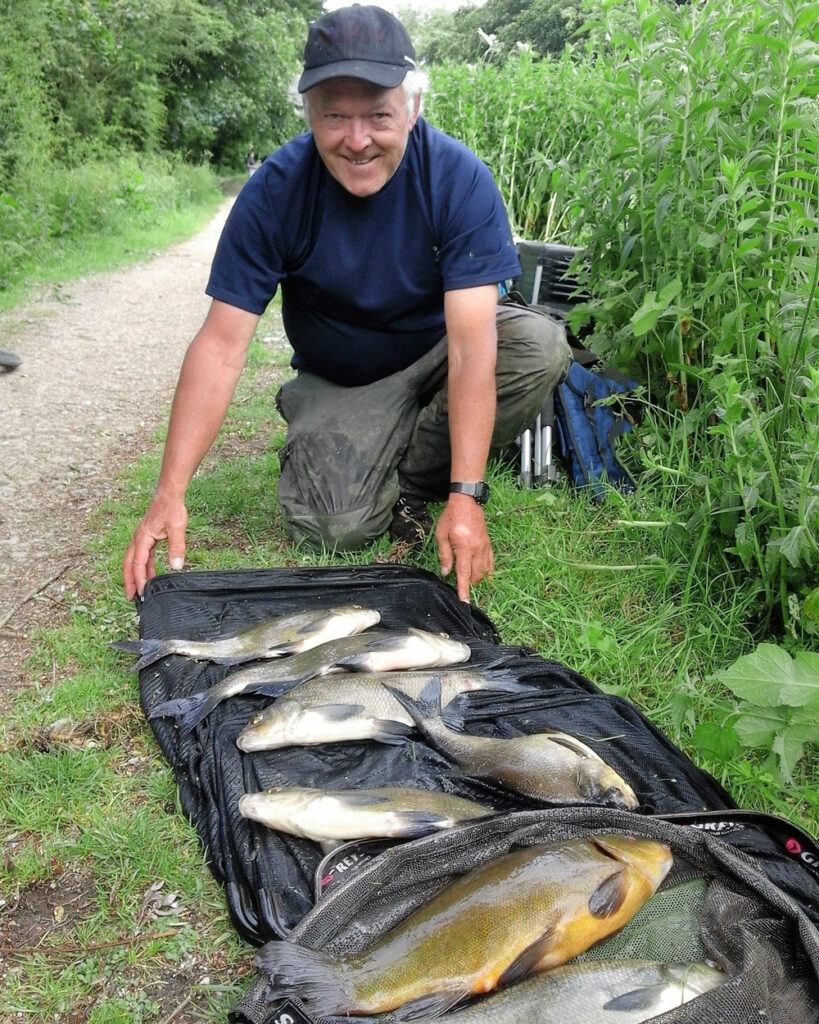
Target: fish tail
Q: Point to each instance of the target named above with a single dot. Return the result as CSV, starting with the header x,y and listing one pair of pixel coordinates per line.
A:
x,y
150,650
428,704
313,977
189,711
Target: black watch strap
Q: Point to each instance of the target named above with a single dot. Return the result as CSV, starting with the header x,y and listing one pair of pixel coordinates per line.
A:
x,y
479,491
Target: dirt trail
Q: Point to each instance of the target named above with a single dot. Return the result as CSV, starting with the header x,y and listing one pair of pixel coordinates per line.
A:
x,y
100,357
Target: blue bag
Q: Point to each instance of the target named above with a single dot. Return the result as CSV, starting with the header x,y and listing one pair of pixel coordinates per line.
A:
x,y
587,428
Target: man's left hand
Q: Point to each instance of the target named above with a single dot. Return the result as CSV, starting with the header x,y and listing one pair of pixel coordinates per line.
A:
x,y
463,541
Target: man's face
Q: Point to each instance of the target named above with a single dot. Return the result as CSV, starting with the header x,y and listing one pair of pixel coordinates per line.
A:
x,y
361,132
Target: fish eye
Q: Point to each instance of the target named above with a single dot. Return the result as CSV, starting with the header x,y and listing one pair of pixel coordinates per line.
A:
x,y
255,719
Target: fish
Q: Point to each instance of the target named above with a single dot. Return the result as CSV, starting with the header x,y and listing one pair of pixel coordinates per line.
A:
x,y
357,707
380,650
595,992
550,766
529,910
271,638
344,814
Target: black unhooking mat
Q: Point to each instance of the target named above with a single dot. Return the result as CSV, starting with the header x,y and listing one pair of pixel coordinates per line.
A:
x,y
268,876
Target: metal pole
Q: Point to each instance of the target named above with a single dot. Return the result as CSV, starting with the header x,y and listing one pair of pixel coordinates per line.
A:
x,y
538,452
526,458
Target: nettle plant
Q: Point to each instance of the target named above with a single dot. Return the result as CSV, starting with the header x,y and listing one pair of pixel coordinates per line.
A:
x,y
700,204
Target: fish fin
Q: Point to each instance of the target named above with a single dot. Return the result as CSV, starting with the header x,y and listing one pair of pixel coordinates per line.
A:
x,y
149,650
359,661
421,823
384,730
193,715
525,962
390,642
507,730
178,706
573,744
306,974
276,689
352,663
130,646
646,998
362,799
239,659
505,681
429,1007
428,704
340,712
608,897
329,846
280,650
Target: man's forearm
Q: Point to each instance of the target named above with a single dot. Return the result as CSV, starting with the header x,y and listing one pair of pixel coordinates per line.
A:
x,y
471,385
210,371
471,418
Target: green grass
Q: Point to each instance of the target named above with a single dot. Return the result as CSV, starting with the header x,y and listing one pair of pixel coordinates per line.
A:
x,y
604,589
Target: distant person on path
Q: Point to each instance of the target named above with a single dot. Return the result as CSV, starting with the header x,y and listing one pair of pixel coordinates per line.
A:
x,y
251,163
388,239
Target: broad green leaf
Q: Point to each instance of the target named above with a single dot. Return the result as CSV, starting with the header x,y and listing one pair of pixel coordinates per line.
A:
x,y
758,729
770,677
707,239
810,607
647,315
789,746
807,17
720,741
797,546
670,292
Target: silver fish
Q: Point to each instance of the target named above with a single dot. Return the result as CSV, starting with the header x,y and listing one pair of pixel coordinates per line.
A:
x,y
549,766
596,992
271,638
379,650
357,707
343,814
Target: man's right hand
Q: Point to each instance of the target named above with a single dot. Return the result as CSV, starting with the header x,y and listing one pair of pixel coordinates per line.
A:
x,y
166,519
210,369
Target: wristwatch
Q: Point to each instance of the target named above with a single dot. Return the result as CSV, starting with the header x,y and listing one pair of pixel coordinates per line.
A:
x,y
479,491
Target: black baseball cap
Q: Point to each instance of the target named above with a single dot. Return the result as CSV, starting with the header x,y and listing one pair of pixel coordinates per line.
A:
x,y
357,42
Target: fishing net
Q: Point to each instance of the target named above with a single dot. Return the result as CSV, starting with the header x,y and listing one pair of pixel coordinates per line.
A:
x,y
716,902
272,881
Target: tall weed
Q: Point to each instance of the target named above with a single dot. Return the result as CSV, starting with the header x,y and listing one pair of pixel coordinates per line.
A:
x,y
683,159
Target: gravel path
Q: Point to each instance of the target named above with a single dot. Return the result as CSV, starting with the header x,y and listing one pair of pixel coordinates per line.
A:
x,y
100,358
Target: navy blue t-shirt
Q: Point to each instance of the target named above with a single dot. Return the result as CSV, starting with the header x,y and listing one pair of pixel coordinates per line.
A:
x,y
363,279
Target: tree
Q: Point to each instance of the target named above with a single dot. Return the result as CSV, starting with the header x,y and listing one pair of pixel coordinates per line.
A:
x,y
222,103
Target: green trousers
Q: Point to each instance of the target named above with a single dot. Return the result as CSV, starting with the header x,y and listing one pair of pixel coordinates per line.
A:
x,y
350,452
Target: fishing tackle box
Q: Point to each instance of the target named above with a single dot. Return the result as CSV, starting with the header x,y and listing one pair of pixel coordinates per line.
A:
x,y
762,867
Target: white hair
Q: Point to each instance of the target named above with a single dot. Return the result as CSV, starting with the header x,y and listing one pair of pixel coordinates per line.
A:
x,y
415,84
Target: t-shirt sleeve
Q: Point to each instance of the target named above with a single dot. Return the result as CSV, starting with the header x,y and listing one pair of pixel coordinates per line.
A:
x,y
249,259
477,246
